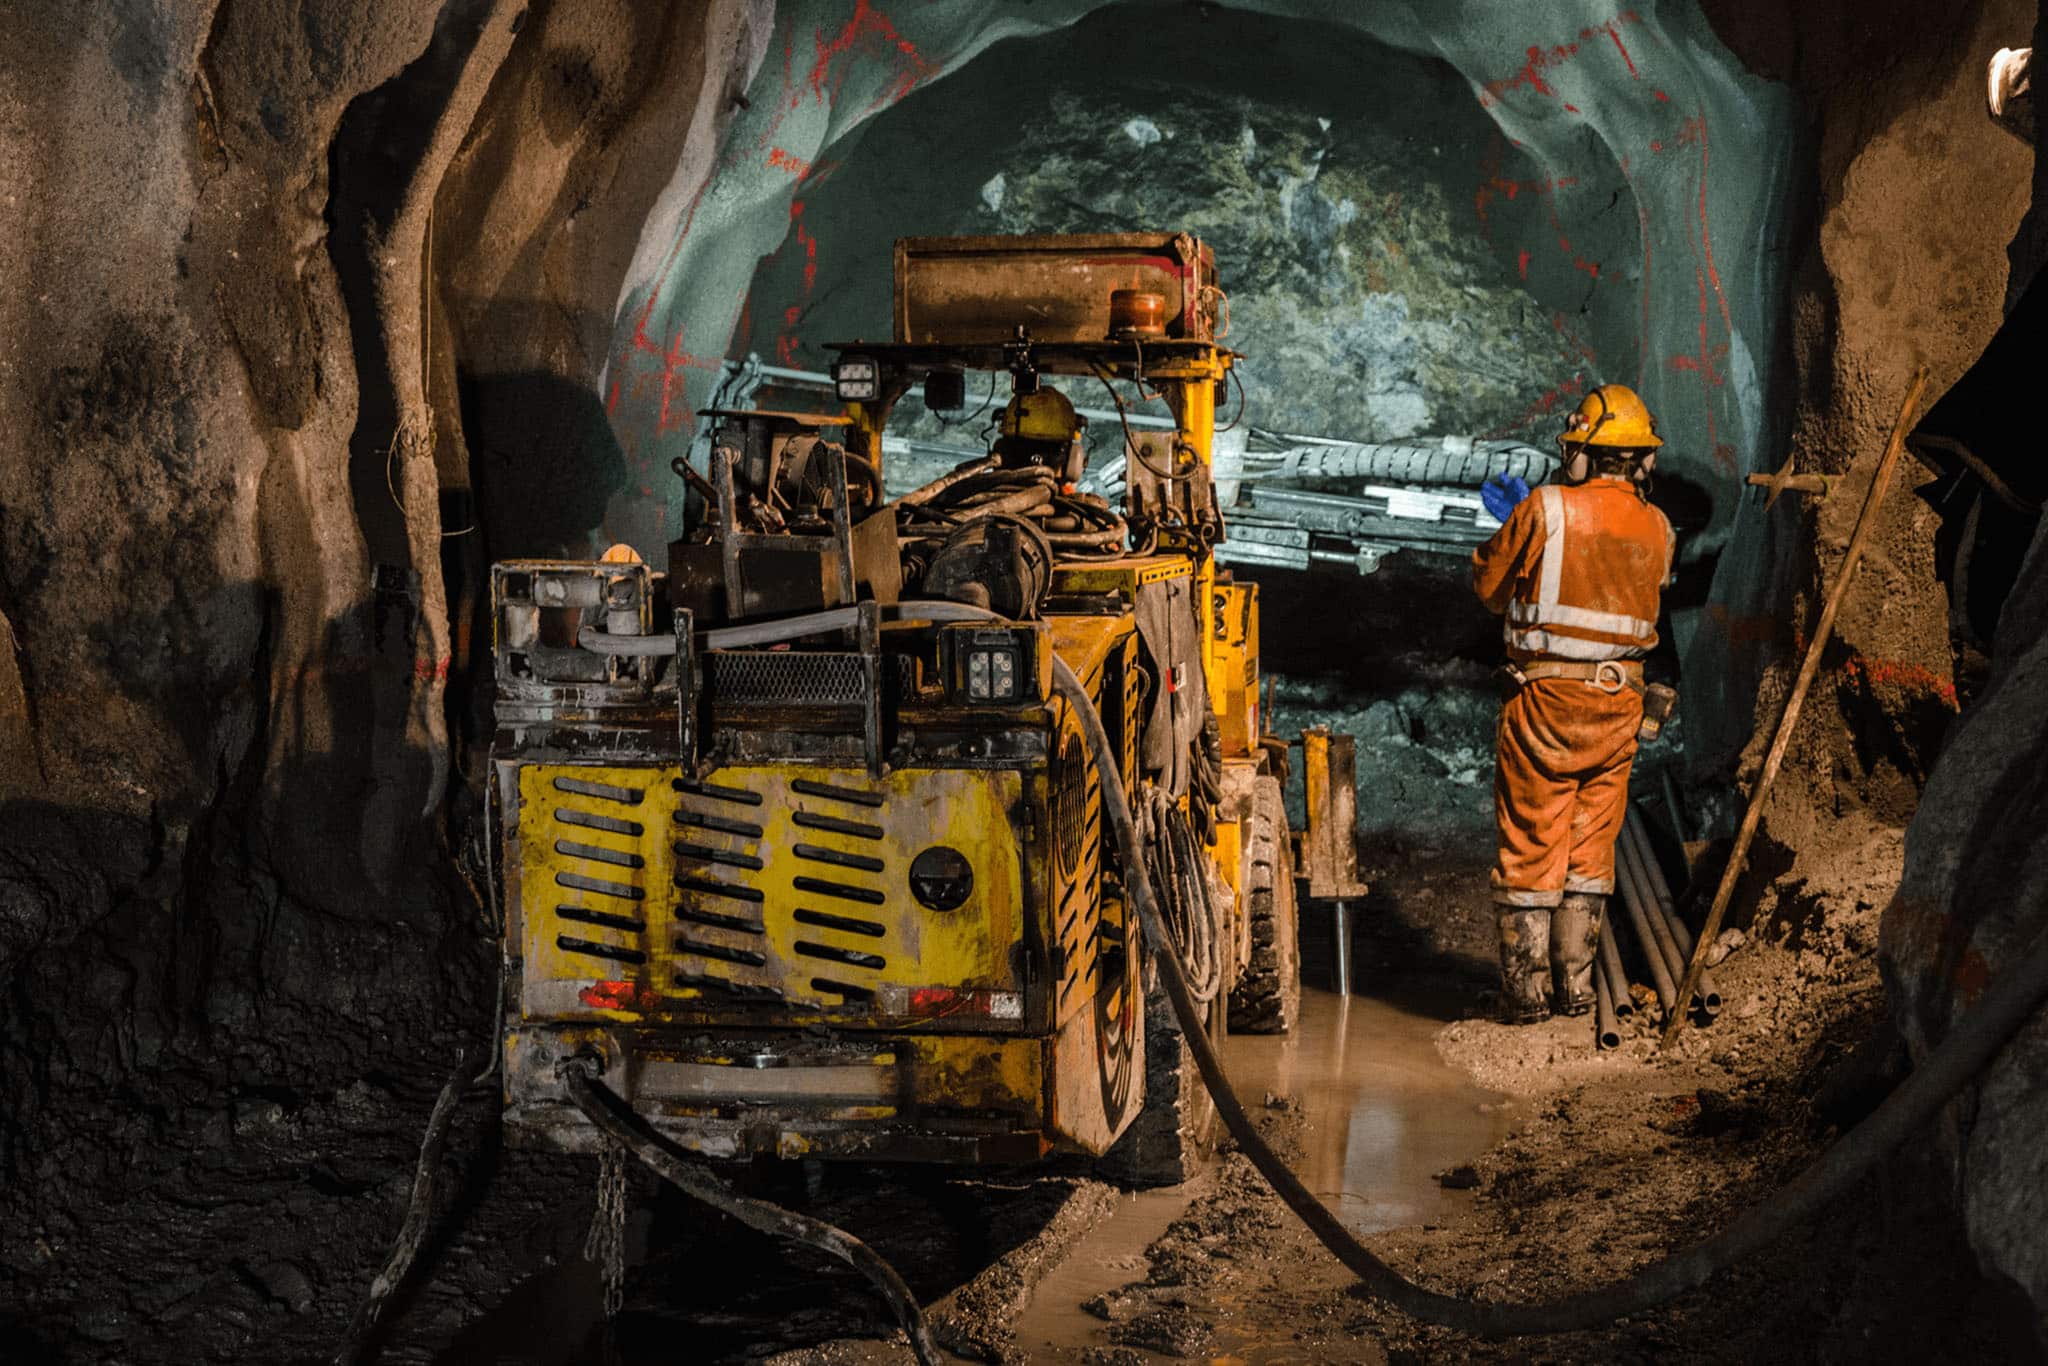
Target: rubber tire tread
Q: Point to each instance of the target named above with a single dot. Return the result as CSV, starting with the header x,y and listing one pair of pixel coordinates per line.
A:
x,y
1266,998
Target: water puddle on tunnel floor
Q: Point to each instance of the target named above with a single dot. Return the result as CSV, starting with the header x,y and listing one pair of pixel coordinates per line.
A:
x,y
1384,1113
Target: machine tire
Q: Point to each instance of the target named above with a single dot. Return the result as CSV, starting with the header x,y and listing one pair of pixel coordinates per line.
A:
x,y
1174,1133
1267,996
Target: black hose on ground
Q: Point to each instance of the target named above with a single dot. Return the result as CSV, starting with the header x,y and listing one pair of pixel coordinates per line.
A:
x,y
616,1120
2003,1008
417,1210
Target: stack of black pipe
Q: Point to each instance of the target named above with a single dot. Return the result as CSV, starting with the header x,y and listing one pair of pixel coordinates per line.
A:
x,y
1643,903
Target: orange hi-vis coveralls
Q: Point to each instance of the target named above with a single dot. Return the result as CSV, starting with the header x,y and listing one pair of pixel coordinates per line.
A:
x,y
1577,571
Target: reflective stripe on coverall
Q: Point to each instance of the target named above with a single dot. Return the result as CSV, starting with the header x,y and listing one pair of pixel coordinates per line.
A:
x,y
1576,571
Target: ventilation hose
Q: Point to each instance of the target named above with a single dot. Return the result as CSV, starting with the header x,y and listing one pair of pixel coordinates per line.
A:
x,y
2002,1009
613,1118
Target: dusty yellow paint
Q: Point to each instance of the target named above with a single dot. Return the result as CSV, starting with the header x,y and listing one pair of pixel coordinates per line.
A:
x,y
1085,642
1122,575
1098,1049
1234,678
968,1072
746,893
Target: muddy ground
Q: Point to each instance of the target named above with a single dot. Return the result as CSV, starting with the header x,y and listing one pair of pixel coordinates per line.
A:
x,y
250,1230
1615,1159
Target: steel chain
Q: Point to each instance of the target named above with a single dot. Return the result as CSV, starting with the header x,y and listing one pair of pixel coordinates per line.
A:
x,y
605,1244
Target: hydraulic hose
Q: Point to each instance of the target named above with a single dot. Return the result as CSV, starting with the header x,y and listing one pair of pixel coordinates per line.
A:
x,y
613,1118
2003,1008
1191,912
419,1207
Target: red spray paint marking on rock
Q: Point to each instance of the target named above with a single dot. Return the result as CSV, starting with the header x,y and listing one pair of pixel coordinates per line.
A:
x,y
873,29
1539,59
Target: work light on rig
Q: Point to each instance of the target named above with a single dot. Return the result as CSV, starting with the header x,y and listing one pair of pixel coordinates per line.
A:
x,y
856,379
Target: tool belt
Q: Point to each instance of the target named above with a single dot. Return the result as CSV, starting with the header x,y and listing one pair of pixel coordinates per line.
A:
x,y
1608,675
1660,702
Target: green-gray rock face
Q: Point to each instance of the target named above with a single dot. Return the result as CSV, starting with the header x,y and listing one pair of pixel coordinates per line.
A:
x,y
1366,299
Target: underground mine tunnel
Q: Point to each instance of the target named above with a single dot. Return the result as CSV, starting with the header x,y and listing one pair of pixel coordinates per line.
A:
x,y
699,680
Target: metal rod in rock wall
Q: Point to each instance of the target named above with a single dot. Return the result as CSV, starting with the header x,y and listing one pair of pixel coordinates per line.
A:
x,y
1617,980
1606,1034
1628,861
1646,942
1708,998
1823,632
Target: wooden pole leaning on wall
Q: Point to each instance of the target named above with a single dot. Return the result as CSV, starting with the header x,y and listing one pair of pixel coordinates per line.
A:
x,y
1823,632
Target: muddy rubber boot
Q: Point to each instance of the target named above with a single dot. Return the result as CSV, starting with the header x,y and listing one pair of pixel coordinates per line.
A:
x,y
1574,944
1524,964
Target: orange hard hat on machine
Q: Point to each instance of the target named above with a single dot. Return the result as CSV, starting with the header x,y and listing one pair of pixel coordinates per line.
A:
x,y
1612,416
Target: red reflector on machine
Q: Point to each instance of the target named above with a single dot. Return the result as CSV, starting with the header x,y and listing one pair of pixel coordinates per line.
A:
x,y
937,1002
618,996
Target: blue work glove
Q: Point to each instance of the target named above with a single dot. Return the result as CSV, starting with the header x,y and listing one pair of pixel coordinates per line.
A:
x,y
1501,493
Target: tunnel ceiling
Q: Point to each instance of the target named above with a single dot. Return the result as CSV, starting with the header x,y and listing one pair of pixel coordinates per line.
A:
x,y
1364,303
1504,208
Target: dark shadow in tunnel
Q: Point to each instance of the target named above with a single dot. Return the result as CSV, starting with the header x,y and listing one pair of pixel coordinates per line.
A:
x,y
544,465
1368,632
544,462
1688,504
735,1294
1990,415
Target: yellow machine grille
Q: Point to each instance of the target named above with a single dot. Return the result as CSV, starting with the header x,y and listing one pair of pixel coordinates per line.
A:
x,y
758,887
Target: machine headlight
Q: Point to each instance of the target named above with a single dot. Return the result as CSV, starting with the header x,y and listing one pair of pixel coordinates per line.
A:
x,y
856,379
941,878
995,666
995,673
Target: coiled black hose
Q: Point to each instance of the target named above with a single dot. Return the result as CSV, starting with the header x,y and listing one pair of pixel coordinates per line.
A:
x,y
1176,862
1073,524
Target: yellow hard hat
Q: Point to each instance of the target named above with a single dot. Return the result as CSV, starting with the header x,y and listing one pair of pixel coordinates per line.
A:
x,y
1611,416
1041,415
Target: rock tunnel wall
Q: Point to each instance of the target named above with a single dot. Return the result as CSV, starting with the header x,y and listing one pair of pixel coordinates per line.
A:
x,y
331,302
1974,892
1597,155
237,622
1337,198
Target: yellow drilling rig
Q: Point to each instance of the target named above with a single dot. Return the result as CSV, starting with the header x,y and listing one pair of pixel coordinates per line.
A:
x,y
796,840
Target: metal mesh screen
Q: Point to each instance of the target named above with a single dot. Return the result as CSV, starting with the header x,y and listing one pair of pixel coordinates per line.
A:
x,y
787,676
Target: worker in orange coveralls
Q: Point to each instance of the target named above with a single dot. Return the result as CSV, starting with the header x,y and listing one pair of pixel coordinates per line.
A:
x,y
1576,569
